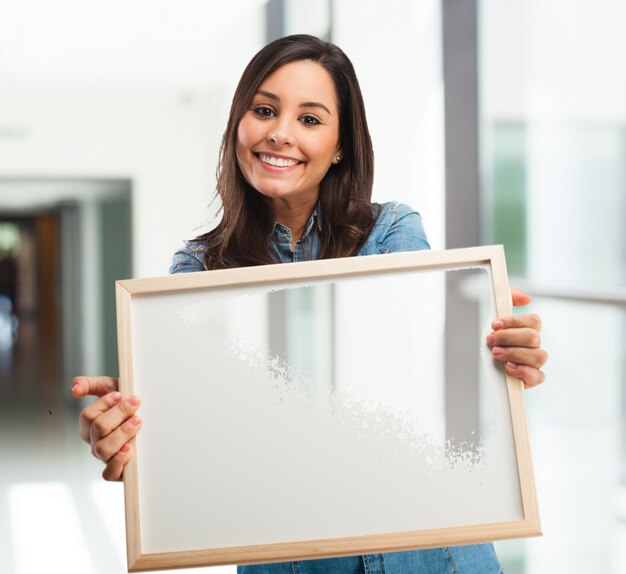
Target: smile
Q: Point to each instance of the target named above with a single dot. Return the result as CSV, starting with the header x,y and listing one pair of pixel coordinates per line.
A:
x,y
277,161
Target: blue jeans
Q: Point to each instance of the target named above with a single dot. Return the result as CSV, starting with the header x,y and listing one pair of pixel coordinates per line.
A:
x,y
477,559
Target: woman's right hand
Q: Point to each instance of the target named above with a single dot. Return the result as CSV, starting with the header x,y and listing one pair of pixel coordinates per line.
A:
x,y
108,424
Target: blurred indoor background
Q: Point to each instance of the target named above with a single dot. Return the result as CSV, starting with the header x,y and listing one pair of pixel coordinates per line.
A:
x,y
501,121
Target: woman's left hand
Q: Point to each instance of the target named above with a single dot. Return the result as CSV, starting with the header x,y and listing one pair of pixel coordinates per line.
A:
x,y
516,341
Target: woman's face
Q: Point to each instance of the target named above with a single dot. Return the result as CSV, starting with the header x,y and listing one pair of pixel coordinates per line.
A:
x,y
289,136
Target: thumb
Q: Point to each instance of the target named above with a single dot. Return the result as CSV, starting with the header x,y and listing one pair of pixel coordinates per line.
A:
x,y
98,386
520,298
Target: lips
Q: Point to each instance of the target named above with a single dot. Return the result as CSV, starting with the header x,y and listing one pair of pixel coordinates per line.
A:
x,y
275,161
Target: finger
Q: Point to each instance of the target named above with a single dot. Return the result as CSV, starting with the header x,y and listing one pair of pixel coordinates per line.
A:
x,y
112,418
520,337
98,386
106,448
521,356
114,468
517,321
531,376
91,412
519,297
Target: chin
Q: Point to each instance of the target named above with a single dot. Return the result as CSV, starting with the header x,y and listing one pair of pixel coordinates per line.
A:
x,y
274,193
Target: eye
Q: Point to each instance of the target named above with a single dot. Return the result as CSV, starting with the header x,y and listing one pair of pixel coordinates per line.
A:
x,y
263,111
309,120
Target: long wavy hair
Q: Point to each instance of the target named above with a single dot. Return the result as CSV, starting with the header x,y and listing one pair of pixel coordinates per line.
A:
x,y
245,231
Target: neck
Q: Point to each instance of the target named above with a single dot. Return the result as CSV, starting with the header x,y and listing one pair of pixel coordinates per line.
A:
x,y
293,216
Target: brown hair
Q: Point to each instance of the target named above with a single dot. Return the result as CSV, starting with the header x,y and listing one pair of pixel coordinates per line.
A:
x,y
244,234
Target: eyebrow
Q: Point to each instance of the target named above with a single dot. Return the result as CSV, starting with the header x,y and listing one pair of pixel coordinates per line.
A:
x,y
273,96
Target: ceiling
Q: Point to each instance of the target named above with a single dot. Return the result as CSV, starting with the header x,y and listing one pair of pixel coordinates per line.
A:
x,y
130,42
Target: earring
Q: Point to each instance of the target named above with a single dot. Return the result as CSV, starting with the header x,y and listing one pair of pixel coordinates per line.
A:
x,y
338,158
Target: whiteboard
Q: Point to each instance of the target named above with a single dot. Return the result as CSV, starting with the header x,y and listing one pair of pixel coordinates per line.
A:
x,y
296,411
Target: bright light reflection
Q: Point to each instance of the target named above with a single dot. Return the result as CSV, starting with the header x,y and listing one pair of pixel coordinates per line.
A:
x,y
46,530
110,504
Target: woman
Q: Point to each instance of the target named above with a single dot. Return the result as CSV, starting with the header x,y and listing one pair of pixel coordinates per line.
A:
x,y
295,180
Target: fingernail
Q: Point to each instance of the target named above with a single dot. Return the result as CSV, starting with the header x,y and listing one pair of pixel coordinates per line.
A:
x,y
125,448
115,397
491,339
497,324
512,365
135,422
133,401
497,350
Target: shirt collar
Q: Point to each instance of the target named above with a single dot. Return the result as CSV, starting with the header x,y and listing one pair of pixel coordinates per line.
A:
x,y
314,222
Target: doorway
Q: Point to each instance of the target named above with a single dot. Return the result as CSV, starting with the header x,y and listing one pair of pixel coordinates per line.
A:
x,y
63,243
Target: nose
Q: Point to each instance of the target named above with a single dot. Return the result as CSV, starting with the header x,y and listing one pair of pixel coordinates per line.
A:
x,y
279,135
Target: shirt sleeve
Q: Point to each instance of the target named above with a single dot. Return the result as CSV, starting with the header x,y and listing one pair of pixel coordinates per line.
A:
x,y
188,259
405,231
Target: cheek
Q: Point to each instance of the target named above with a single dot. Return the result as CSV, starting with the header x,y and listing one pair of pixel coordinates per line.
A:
x,y
243,145
247,134
329,144
327,149
241,138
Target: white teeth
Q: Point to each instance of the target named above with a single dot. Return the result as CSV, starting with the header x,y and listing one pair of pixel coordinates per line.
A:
x,y
278,161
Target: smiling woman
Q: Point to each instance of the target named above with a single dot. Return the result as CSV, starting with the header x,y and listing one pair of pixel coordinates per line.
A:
x,y
298,100
289,139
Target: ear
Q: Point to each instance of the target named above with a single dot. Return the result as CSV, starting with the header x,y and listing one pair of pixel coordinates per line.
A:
x,y
338,156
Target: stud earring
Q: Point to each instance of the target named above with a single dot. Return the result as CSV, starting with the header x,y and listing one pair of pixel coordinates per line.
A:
x,y
338,158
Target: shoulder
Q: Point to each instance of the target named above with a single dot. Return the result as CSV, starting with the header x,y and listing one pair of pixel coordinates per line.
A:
x,y
189,258
391,212
398,228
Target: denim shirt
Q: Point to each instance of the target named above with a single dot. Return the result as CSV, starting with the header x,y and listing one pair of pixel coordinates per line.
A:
x,y
397,228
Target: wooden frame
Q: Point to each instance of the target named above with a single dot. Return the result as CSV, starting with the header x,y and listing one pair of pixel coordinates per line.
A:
x,y
267,278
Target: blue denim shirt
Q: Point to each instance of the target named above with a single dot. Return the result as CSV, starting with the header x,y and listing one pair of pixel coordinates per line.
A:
x,y
398,228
